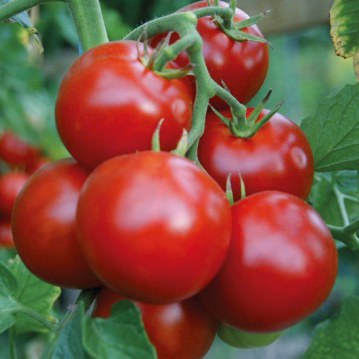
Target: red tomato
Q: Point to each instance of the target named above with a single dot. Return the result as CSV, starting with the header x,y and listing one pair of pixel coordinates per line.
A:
x,y
15,151
38,163
280,267
178,331
10,185
6,239
43,226
241,65
109,104
277,157
153,226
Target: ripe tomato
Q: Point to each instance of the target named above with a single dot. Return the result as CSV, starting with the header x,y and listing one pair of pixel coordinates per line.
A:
x,y
43,226
153,226
109,104
10,185
15,151
277,157
6,239
241,65
177,331
280,267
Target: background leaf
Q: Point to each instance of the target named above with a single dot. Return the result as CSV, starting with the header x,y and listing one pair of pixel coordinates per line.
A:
x,y
24,21
69,344
333,131
120,336
339,336
345,27
32,293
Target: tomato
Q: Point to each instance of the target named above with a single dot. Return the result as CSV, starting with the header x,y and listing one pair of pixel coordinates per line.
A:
x,y
277,157
15,151
10,185
109,104
241,339
242,66
280,267
43,226
6,239
178,331
153,226
36,164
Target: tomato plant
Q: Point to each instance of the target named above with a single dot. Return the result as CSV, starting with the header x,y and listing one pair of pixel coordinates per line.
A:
x,y
46,242
242,66
177,330
154,226
165,222
277,157
109,103
280,267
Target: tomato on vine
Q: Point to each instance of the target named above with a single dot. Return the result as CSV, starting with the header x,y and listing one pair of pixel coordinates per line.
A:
x,y
153,226
241,65
43,225
281,264
277,157
177,330
109,103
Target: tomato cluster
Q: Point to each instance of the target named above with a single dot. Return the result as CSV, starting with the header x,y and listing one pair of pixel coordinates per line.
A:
x,y
153,227
21,159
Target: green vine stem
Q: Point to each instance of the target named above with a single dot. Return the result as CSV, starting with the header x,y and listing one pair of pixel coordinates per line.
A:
x,y
89,22
12,345
185,25
86,297
346,233
15,7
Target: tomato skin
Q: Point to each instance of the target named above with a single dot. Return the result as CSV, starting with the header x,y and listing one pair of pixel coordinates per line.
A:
x,y
110,104
10,186
277,157
43,225
6,239
242,66
15,151
177,331
153,226
280,267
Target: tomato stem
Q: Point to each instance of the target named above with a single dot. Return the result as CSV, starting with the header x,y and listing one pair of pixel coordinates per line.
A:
x,y
89,22
15,7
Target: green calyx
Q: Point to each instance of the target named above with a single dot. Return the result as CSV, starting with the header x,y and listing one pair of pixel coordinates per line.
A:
x,y
243,127
161,55
234,29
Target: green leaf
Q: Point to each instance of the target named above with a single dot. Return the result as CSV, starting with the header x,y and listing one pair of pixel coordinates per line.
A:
x,y
323,199
69,343
339,336
8,286
8,282
333,131
32,293
122,335
345,27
